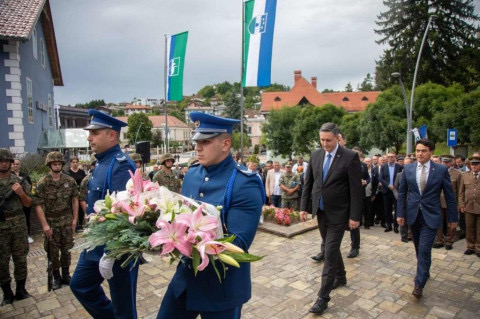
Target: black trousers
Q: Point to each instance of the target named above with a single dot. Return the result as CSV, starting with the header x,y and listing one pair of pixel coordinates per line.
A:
x,y
378,208
369,214
389,205
332,235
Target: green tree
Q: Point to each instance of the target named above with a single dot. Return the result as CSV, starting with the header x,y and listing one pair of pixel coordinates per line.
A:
x,y
348,87
232,109
224,88
91,105
157,139
139,122
308,121
384,122
368,84
276,87
236,141
207,91
278,130
350,127
452,38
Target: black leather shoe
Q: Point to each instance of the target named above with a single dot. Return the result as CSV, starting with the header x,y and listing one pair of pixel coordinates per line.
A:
x,y
395,229
339,282
448,247
319,258
366,227
319,306
353,253
469,252
405,240
437,245
388,229
478,254
417,292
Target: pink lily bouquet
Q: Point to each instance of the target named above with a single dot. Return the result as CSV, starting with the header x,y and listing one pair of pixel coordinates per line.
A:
x,y
148,217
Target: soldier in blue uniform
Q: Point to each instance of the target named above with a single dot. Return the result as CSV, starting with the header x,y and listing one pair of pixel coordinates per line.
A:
x,y
218,180
110,173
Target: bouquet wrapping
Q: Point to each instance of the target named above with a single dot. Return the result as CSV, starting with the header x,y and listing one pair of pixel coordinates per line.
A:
x,y
148,217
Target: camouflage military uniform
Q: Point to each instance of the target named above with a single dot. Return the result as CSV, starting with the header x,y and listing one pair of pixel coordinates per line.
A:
x,y
55,197
13,233
290,180
169,180
83,189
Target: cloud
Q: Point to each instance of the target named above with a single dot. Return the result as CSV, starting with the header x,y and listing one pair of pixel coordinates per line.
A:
x,y
114,49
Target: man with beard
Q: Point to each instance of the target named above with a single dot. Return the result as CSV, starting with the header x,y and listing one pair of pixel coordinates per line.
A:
x,y
13,230
166,176
56,204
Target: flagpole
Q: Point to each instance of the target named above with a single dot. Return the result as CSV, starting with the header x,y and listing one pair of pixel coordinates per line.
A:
x,y
241,80
165,94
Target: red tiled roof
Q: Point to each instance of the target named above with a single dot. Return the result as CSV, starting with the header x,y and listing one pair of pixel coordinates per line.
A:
x,y
19,17
159,121
137,107
350,101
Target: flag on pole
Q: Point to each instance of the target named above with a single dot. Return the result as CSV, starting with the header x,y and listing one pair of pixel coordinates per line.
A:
x,y
176,47
416,134
422,130
259,22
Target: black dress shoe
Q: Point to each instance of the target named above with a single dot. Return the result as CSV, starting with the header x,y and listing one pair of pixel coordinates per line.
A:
x,y
353,253
437,245
339,282
405,240
366,227
448,247
319,258
469,252
478,254
388,229
395,229
417,292
319,306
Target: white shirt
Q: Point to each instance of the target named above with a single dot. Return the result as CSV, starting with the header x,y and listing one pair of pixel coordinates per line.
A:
x,y
276,188
419,173
304,165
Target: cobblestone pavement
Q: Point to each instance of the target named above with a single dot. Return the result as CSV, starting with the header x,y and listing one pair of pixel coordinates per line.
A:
x,y
286,281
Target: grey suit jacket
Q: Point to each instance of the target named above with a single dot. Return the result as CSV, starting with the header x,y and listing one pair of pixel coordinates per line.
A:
x,y
342,190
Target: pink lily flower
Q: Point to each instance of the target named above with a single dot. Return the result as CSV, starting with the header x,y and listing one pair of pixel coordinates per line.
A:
x,y
206,248
134,210
137,181
171,236
199,225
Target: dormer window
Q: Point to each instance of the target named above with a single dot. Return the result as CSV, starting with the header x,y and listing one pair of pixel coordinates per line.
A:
x,y
364,98
346,99
277,99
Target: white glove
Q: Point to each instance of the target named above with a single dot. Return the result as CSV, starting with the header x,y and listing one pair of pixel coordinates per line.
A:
x,y
105,266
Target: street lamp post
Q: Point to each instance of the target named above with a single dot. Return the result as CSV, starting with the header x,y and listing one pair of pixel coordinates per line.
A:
x,y
409,139
398,76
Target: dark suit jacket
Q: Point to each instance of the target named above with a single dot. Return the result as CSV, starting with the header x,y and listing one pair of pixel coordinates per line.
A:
x,y
410,200
365,176
374,180
342,191
384,177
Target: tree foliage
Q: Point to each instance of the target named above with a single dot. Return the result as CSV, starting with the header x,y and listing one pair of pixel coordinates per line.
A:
x,y
450,53
139,122
236,141
279,130
91,105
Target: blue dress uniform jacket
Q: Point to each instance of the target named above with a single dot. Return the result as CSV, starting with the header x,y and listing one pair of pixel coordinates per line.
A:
x,y
110,173
204,291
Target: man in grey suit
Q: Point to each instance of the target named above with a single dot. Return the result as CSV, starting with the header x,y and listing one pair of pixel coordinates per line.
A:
x,y
333,187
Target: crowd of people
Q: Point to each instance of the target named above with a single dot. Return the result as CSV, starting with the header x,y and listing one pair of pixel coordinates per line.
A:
x,y
420,196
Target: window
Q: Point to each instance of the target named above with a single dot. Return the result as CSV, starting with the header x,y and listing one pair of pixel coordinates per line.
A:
x,y
42,52
345,99
50,113
34,43
277,99
30,100
364,98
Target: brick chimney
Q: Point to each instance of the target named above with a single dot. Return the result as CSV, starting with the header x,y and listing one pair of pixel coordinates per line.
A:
x,y
314,81
297,75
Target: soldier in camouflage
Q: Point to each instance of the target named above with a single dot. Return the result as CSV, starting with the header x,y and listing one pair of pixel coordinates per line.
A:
x,y
289,183
56,204
137,159
13,231
165,176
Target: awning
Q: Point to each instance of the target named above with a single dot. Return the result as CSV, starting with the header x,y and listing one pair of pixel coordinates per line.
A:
x,y
63,138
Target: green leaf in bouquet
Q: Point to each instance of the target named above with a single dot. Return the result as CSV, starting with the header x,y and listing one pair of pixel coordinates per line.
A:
x,y
195,260
228,239
212,262
108,202
243,257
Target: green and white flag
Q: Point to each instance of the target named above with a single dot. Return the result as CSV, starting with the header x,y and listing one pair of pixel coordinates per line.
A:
x,y
176,48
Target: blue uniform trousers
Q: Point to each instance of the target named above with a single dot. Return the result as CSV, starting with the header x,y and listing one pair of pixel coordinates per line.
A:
x,y
86,286
176,308
423,238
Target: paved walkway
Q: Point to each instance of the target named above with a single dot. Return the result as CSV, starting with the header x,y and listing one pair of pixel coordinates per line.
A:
x,y
286,281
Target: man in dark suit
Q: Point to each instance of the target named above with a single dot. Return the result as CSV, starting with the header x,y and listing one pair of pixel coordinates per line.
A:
x,y
388,172
423,182
333,186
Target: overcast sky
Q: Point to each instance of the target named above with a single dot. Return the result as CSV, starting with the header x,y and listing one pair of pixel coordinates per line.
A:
x,y
114,49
